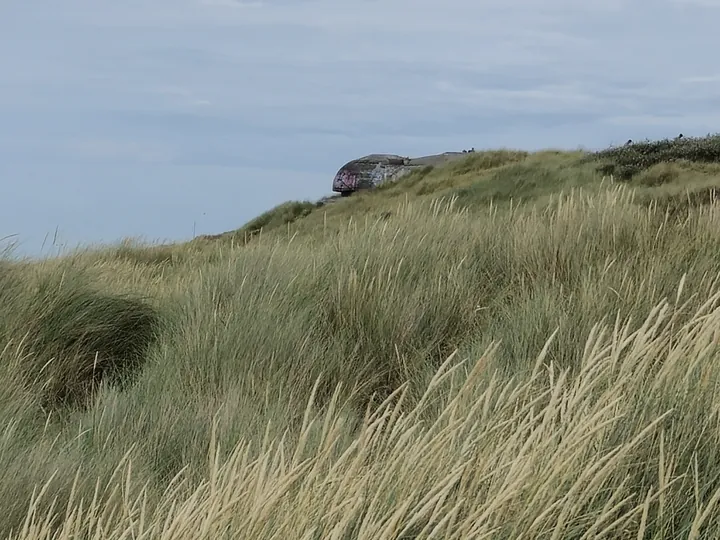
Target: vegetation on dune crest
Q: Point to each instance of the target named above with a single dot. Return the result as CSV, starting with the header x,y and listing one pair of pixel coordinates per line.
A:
x,y
510,347
631,159
675,173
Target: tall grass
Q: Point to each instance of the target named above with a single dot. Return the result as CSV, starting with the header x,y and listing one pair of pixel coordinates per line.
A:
x,y
512,372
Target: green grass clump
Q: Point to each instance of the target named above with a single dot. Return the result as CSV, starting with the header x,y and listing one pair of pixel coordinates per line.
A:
x,y
74,337
134,251
511,348
79,339
279,216
490,159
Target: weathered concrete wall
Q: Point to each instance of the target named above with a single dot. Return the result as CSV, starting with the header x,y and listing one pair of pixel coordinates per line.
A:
x,y
376,169
367,172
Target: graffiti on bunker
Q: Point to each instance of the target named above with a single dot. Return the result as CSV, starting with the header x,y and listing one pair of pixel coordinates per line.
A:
x,y
376,169
368,172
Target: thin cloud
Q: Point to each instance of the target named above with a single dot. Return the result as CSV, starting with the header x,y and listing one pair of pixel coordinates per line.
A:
x,y
233,3
169,88
701,79
114,150
700,3
697,124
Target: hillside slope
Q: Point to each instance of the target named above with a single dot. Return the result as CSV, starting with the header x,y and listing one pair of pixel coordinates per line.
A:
x,y
519,345
673,173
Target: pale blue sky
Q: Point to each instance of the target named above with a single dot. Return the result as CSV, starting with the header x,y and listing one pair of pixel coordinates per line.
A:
x,y
151,117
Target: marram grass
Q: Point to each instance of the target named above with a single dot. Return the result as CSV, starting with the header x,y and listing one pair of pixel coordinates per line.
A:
x,y
513,371
590,456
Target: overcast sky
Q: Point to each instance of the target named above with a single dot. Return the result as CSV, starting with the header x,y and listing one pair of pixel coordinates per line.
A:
x,y
160,118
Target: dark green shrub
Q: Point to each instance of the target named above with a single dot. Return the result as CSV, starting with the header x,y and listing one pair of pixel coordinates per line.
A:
x,y
624,162
77,338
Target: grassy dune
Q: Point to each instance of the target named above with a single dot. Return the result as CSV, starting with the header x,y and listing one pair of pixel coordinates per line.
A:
x,y
515,346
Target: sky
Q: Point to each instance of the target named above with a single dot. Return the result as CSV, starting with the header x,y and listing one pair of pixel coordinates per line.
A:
x,y
164,119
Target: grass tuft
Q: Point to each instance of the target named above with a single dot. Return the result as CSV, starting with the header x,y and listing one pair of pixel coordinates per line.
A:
x,y
77,338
